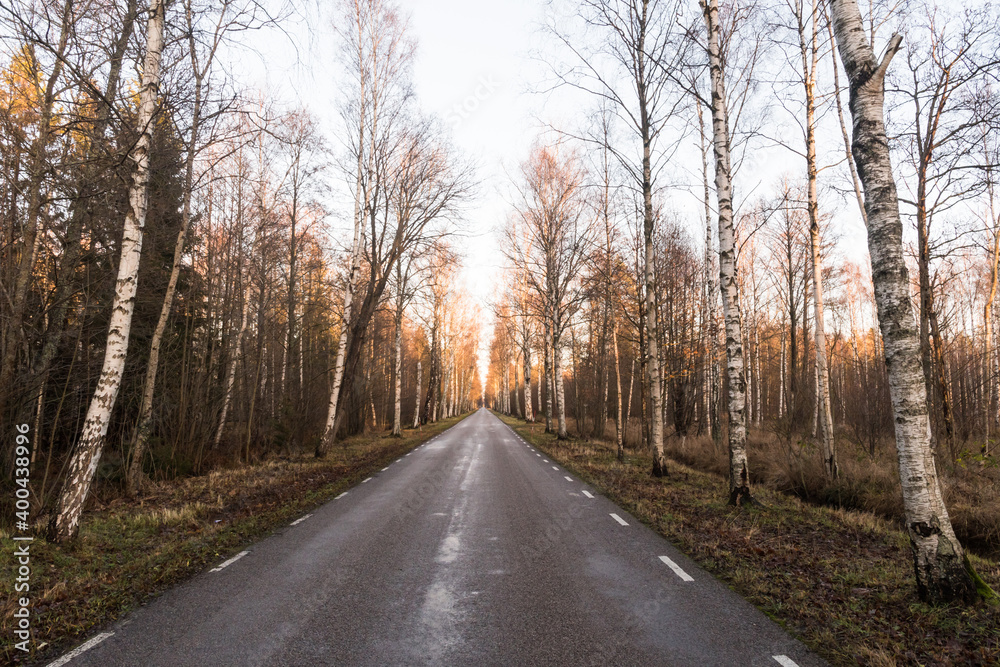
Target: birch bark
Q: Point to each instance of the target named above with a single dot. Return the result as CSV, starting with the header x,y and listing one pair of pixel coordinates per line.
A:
x,y
90,446
941,568
739,475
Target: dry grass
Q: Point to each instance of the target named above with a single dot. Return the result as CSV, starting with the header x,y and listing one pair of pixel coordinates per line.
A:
x,y
868,483
839,580
130,550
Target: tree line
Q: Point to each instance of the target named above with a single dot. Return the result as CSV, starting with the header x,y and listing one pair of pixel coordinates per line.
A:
x,y
178,292
661,274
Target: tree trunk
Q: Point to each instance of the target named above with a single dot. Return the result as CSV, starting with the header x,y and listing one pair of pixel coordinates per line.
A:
x,y
528,408
88,450
941,568
619,426
397,415
988,354
824,411
134,477
739,475
416,394
560,390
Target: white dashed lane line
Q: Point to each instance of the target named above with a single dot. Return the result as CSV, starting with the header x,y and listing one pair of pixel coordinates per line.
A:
x,y
588,494
619,519
785,661
677,569
568,478
230,561
85,646
300,520
385,468
341,495
555,467
366,480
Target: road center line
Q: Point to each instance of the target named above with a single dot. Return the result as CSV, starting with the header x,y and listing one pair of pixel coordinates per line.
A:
x,y
619,519
677,570
230,561
341,495
782,660
85,646
300,520
587,493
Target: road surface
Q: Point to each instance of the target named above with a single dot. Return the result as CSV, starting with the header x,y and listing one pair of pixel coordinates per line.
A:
x,y
473,549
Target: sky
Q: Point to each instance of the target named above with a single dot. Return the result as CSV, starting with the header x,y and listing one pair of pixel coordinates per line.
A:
x,y
474,69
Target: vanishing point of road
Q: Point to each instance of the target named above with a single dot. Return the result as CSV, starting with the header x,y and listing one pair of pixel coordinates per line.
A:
x,y
473,549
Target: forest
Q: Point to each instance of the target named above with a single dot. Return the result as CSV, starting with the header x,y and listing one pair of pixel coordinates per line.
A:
x,y
765,243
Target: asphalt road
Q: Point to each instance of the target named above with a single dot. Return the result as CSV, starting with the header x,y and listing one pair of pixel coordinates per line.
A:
x,y
474,549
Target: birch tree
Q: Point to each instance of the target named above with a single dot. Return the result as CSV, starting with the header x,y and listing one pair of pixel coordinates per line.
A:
x,y
639,44
739,474
941,567
87,453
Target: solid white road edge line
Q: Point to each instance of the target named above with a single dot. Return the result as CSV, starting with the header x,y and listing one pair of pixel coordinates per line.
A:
x,y
300,520
677,569
619,519
230,561
85,646
587,493
782,660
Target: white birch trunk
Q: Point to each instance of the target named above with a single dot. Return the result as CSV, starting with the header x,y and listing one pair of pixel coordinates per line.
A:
x,y
416,402
231,374
88,450
397,415
560,390
739,475
942,571
528,407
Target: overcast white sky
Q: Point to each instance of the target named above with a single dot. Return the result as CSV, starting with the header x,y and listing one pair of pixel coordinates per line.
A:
x,y
473,69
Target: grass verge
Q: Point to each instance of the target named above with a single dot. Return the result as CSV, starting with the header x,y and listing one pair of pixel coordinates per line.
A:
x,y
133,550
840,581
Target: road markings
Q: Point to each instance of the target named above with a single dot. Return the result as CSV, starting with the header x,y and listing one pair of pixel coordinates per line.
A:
x,y
300,520
385,468
677,570
537,454
782,660
366,480
555,467
619,519
341,495
545,460
85,646
408,453
230,561
587,493
568,478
